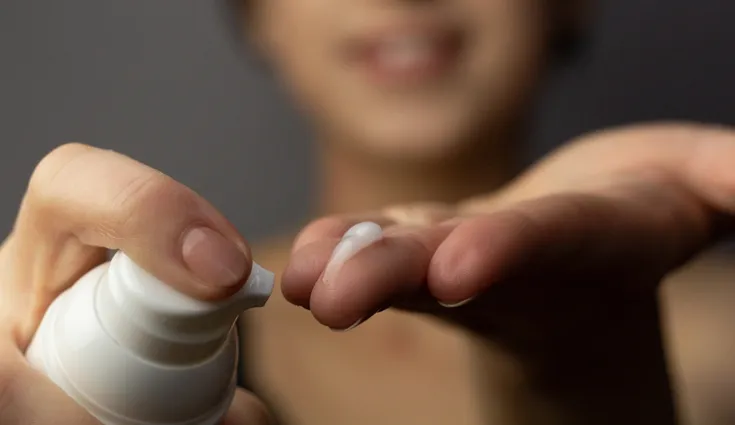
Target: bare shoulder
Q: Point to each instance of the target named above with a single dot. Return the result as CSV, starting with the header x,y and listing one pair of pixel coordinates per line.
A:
x,y
313,375
698,298
697,311
710,273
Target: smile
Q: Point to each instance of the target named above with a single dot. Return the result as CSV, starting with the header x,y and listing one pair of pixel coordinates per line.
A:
x,y
407,56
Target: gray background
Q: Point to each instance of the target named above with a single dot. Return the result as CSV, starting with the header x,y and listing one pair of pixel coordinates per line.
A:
x,y
159,80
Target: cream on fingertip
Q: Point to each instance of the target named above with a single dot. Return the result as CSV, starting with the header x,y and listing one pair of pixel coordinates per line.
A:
x,y
355,239
366,229
351,327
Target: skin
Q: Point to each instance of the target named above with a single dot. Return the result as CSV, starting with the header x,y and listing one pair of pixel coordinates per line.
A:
x,y
687,169
503,54
439,142
578,345
72,212
383,144
661,188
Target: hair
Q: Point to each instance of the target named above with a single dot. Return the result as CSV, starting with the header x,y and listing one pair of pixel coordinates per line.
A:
x,y
232,12
567,40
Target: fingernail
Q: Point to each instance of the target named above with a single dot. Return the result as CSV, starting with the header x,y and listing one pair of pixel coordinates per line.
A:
x,y
353,326
213,258
455,305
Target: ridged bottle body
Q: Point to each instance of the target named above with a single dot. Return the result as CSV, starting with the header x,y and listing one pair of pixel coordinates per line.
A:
x,y
129,385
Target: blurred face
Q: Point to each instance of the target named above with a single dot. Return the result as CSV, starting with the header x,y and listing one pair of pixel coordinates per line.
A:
x,y
405,79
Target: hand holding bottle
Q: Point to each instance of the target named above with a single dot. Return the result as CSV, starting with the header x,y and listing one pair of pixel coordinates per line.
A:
x,y
82,201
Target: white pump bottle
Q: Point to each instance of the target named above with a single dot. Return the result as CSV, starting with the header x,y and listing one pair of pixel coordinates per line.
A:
x,y
133,351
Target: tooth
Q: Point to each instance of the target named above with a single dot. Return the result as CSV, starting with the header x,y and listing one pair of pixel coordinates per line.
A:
x,y
406,52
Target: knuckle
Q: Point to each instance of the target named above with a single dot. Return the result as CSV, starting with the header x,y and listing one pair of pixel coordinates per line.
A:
x,y
145,187
150,193
106,192
46,173
328,226
333,226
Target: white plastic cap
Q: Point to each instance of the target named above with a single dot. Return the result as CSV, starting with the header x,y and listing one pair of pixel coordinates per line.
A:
x,y
133,351
162,324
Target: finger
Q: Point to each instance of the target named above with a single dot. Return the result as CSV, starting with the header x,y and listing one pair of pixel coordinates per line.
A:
x,y
625,233
28,397
332,228
694,161
697,156
311,251
304,268
316,242
413,214
246,409
385,271
81,198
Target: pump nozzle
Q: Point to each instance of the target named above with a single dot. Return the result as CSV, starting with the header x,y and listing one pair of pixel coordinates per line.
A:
x,y
135,306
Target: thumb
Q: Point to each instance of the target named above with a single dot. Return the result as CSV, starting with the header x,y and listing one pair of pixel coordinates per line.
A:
x,y
82,201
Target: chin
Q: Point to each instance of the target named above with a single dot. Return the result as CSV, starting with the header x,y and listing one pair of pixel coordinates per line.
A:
x,y
425,140
420,149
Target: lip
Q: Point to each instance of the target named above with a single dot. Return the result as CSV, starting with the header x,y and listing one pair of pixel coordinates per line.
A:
x,y
406,54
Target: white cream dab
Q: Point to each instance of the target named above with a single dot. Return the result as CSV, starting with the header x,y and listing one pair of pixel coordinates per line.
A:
x,y
355,239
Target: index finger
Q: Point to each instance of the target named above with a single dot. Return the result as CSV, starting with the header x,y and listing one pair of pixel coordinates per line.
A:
x,y
343,289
